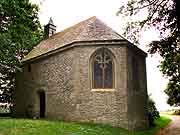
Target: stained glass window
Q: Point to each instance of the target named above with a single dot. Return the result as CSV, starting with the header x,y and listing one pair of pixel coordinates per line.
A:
x,y
103,68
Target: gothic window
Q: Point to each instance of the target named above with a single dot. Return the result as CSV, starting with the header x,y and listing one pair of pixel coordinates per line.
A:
x,y
102,70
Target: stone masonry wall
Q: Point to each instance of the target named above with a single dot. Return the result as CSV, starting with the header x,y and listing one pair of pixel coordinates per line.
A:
x,y
66,79
137,91
101,106
54,76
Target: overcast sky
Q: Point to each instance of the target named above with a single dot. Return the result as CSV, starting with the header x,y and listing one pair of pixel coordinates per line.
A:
x,y
66,13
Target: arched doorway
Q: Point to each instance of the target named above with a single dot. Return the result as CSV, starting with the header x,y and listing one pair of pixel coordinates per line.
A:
x,y
42,104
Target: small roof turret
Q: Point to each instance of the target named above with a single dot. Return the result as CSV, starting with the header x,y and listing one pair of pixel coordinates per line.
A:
x,y
50,28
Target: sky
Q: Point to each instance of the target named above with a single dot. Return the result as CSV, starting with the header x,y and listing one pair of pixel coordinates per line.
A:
x,y
66,13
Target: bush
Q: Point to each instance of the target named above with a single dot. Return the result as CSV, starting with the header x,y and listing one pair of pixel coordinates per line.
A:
x,y
5,108
176,112
152,112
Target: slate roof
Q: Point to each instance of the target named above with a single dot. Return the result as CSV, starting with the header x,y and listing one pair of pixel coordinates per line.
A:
x,y
91,29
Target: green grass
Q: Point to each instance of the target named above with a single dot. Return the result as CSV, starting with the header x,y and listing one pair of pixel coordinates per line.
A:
x,y
9,126
161,122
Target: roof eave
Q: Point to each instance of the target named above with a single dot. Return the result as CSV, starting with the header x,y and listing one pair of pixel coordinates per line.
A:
x,y
74,44
85,43
136,48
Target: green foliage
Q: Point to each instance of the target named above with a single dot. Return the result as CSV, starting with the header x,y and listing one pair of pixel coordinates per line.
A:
x,y
4,110
152,108
152,111
176,112
43,127
164,15
20,30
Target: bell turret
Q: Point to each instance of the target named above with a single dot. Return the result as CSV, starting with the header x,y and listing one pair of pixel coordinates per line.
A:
x,y
49,29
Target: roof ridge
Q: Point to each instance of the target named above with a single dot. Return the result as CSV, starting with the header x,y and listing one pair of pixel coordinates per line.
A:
x,y
75,25
109,27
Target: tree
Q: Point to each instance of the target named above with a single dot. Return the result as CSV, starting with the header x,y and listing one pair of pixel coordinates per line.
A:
x,y
164,15
20,30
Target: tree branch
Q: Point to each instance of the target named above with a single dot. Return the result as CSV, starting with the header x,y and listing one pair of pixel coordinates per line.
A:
x,y
146,5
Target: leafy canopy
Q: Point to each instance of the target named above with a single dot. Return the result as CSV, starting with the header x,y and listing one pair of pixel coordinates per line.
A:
x,y
20,30
164,15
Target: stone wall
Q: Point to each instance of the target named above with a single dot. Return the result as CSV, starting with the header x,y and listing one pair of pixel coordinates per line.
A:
x,y
101,106
66,79
137,91
54,76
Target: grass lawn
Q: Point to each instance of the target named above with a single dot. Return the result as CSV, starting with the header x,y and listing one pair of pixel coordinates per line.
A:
x,y
9,126
161,122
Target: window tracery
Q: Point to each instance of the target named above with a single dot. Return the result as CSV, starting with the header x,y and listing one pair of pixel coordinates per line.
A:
x,y
103,69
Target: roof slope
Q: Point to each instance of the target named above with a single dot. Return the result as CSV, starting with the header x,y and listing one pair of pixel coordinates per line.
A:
x,y
88,30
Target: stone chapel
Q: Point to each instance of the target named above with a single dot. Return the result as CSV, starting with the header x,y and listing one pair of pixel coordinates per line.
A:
x,y
85,73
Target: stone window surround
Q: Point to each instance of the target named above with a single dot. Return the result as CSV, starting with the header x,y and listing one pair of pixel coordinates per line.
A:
x,y
103,90
91,74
